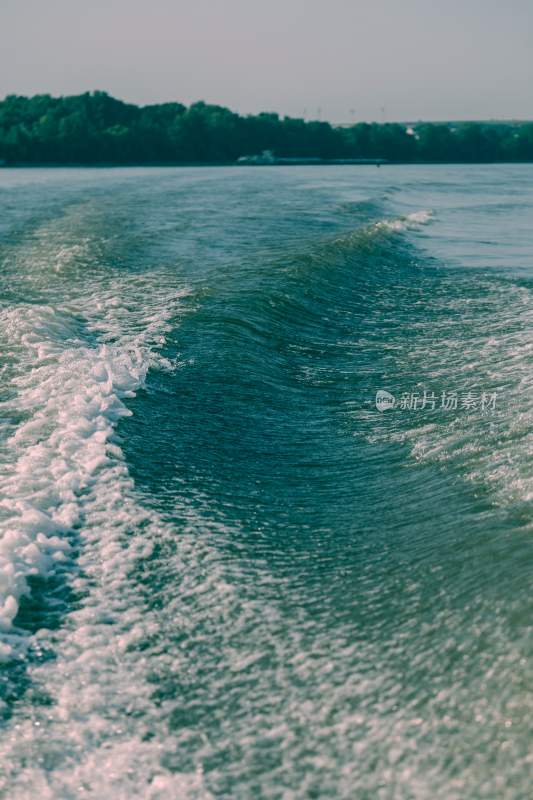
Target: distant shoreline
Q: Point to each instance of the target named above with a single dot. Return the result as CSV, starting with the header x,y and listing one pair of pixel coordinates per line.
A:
x,y
181,164
97,130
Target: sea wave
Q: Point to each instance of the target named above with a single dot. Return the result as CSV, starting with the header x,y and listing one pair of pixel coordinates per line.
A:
x,y
256,577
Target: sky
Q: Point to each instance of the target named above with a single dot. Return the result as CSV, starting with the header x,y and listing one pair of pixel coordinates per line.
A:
x,y
340,60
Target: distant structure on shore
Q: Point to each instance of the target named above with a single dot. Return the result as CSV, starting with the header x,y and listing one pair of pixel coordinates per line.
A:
x,y
267,158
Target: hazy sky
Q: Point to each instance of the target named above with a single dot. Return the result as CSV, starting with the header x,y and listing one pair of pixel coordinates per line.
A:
x,y
419,59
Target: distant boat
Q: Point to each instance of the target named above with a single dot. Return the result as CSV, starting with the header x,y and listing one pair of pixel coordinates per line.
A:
x,y
267,158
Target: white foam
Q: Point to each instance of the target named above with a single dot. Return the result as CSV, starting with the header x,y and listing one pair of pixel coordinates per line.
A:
x,y
410,221
68,487
107,773
72,397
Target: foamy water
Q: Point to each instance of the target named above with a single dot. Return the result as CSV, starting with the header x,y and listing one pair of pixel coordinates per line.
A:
x,y
68,513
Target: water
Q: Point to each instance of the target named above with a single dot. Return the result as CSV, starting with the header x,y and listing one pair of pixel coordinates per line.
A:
x,y
223,572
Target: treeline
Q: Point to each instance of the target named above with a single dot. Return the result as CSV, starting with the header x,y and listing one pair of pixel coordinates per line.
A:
x,y
94,128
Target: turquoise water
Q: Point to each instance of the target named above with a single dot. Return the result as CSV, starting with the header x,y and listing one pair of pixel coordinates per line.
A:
x,y
224,572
